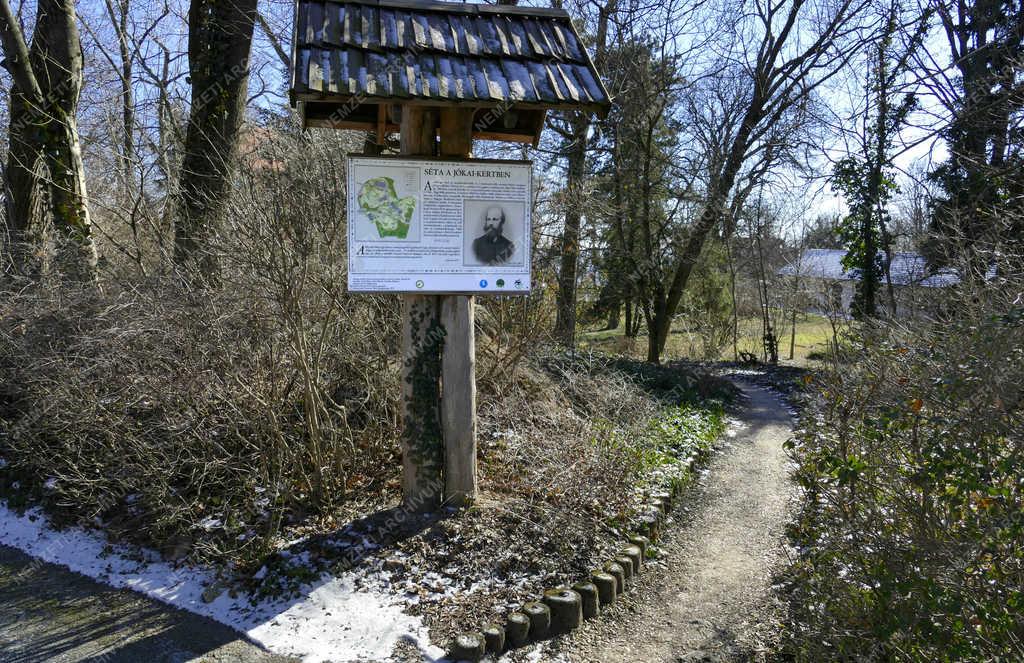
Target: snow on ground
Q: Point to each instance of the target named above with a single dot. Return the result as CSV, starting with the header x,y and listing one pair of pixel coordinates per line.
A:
x,y
331,621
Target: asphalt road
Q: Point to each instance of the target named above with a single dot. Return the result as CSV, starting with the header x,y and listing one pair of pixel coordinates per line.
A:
x,y
48,613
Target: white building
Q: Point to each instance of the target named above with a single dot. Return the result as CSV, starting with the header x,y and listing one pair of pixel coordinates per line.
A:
x,y
831,287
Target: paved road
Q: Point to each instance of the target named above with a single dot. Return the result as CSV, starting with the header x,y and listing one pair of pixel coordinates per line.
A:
x,y
712,601
48,613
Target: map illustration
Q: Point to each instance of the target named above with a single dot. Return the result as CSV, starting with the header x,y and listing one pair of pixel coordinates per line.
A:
x,y
379,200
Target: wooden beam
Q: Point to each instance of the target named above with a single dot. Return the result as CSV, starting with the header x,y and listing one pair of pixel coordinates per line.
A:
x,y
458,359
422,337
382,123
456,132
419,130
338,100
458,399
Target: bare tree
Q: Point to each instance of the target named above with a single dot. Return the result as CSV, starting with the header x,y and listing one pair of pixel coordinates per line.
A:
x,y
575,131
782,72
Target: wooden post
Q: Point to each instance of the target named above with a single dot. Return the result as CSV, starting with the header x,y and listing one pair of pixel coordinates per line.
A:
x,y
458,365
422,338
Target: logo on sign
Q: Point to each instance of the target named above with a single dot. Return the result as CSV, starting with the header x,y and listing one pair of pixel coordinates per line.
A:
x,y
500,283
483,283
419,284
518,283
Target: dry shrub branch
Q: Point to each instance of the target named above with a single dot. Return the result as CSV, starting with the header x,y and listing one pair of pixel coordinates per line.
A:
x,y
216,422
910,536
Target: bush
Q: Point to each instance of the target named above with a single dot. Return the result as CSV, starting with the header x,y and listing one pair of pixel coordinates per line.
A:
x,y
213,426
910,534
186,421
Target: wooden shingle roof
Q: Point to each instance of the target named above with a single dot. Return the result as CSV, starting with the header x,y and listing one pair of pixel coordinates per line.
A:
x,y
350,53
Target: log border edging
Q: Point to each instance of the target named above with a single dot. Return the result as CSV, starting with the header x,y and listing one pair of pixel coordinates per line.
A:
x,y
659,504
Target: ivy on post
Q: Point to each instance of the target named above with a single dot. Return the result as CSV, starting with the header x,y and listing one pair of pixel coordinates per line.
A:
x,y
422,340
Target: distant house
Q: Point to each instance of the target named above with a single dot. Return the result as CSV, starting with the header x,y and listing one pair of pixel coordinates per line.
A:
x,y
831,287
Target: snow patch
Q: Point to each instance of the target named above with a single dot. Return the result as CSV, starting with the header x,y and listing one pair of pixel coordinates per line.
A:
x,y
331,621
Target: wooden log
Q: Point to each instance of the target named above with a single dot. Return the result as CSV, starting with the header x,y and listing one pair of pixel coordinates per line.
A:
x,y
540,619
517,629
566,608
590,600
458,368
607,587
494,638
636,555
467,647
615,570
650,526
641,542
422,334
627,569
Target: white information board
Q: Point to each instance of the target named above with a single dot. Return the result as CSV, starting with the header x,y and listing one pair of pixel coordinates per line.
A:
x,y
432,226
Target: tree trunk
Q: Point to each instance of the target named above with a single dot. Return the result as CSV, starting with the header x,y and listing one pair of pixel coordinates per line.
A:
x,y
220,39
23,190
613,316
706,222
76,252
49,81
565,301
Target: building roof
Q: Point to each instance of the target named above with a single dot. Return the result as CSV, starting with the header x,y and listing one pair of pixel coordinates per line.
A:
x,y
442,53
906,269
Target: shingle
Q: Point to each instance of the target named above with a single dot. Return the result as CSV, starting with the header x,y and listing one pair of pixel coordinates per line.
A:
x,y
488,36
469,53
334,77
536,39
551,40
316,72
377,74
371,28
541,78
335,19
438,39
520,83
388,29
586,79
518,35
500,28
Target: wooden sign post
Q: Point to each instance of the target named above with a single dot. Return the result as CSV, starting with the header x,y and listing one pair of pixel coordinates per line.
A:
x,y
458,71
458,360
422,339
438,448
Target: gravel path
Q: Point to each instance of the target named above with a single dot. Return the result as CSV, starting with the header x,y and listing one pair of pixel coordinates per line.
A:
x,y
709,599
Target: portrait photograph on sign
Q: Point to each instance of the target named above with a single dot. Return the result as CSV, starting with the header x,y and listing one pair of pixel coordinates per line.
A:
x,y
427,225
492,233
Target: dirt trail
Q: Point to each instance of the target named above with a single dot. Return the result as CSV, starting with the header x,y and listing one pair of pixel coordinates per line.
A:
x,y
710,600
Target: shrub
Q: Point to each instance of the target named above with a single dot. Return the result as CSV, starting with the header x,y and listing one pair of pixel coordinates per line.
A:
x,y
910,534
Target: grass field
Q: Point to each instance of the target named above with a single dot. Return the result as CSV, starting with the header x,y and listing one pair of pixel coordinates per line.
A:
x,y
813,333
